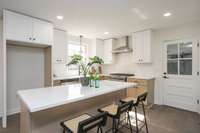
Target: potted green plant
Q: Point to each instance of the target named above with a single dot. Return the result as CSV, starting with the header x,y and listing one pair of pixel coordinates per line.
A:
x,y
85,66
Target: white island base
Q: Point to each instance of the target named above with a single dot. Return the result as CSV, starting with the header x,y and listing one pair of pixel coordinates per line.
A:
x,y
42,112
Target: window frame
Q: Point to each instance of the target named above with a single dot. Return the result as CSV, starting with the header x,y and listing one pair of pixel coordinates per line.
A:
x,y
179,59
73,68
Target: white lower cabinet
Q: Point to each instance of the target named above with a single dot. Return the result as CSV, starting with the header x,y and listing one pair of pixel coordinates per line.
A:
x,y
60,46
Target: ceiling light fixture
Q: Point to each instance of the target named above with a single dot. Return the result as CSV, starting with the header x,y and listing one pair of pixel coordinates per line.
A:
x,y
106,33
60,17
167,14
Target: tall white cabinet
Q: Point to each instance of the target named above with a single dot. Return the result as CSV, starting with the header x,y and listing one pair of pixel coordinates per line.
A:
x,y
32,49
142,45
108,46
103,49
60,46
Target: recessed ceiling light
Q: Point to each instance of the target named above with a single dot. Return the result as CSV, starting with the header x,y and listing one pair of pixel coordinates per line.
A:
x,y
106,33
167,14
60,17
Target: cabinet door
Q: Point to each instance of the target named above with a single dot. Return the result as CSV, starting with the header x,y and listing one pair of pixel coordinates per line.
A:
x,y
108,51
59,46
142,46
137,47
100,48
146,57
42,32
18,27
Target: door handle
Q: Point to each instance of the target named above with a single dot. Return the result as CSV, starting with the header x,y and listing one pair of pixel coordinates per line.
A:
x,y
165,77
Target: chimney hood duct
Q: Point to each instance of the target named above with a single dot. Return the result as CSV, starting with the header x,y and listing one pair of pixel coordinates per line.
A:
x,y
124,46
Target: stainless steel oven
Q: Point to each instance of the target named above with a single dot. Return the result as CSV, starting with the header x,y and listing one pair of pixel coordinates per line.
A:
x,y
120,76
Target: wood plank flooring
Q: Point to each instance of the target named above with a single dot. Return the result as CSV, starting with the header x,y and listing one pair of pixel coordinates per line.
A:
x,y
161,119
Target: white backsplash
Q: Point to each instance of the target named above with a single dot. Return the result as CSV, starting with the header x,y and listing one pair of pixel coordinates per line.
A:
x,y
123,63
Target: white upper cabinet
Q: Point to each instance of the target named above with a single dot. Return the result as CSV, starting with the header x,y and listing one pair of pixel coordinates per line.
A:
x,y
42,32
108,45
142,42
100,48
23,28
60,46
18,27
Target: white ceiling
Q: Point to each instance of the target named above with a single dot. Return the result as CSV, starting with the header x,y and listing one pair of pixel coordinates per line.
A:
x,y
92,18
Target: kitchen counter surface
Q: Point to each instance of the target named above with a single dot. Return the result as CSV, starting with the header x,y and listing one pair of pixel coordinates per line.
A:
x,y
72,77
142,77
45,98
67,77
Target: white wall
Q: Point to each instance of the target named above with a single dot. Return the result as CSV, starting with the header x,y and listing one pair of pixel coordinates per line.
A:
x,y
25,70
124,62
1,67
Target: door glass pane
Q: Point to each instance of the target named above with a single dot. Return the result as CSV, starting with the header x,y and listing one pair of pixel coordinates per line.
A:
x,y
172,51
186,50
172,66
186,67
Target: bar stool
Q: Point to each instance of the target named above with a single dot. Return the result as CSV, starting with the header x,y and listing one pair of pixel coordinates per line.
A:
x,y
115,111
136,101
85,123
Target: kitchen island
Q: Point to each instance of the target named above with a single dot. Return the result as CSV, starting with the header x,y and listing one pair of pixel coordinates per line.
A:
x,y
42,109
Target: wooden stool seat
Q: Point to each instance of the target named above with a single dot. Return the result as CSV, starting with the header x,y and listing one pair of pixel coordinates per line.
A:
x,y
73,123
115,112
85,123
110,109
138,119
128,99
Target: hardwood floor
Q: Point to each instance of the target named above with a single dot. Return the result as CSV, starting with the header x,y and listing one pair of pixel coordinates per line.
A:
x,y
161,119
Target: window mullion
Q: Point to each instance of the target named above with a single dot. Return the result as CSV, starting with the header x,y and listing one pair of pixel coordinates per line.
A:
x,y
178,58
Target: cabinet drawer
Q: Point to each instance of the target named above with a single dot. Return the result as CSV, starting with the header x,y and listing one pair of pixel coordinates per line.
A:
x,y
141,90
131,92
134,92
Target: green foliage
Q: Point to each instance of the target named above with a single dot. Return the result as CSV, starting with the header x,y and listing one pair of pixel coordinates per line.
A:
x,y
85,67
75,60
96,60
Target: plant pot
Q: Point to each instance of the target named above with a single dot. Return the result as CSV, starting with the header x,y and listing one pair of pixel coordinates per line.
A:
x,y
85,81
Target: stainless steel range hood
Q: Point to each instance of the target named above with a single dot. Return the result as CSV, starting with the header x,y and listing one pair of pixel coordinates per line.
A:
x,y
124,46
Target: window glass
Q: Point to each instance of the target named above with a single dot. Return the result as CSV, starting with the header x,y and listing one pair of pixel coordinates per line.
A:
x,y
172,51
179,58
76,49
186,50
186,67
172,66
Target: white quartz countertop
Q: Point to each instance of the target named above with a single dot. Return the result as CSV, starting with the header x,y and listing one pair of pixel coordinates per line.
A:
x,y
142,77
67,77
45,98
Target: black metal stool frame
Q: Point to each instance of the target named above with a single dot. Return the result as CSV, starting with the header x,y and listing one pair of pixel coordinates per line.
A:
x,y
123,108
140,99
86,125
